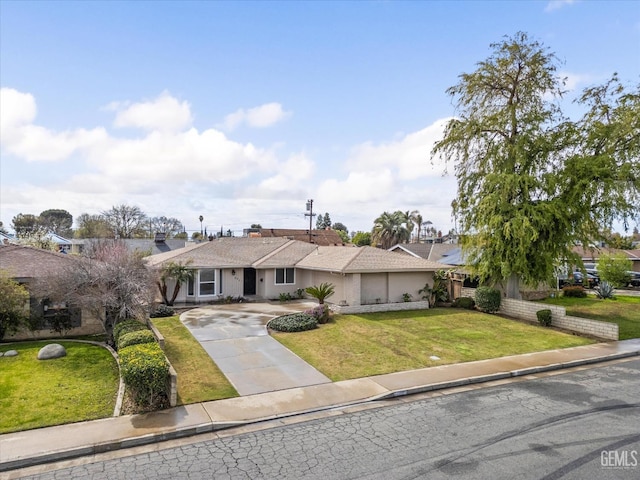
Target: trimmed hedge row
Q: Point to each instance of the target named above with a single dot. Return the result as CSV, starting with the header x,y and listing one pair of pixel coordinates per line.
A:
x,y
126,326
135,338
144,369
296,322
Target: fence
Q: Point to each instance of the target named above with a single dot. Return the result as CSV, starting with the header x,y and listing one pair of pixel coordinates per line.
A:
x,y
559,318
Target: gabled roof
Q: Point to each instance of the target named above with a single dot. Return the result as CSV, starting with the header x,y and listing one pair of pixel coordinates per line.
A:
x,y
246,252
364,260
430,251
593,253
318,237
222,252
30,262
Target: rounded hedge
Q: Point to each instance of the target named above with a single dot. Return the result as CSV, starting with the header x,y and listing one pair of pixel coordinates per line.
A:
x,y
162,310
488,299
145,370
126,326
135,338
464,302
544,317
296,322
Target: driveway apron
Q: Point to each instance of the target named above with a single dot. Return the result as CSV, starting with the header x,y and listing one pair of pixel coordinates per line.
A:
x,y
236,338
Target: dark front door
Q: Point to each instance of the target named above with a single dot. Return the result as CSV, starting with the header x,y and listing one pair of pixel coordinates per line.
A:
x,y
249,281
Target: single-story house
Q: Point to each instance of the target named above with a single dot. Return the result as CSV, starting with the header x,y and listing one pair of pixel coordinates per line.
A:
x,y
592,255
267,267
26,265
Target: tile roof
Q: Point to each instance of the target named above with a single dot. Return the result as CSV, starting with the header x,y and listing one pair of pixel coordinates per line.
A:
x,y
318,237
30,262
279,252
222,252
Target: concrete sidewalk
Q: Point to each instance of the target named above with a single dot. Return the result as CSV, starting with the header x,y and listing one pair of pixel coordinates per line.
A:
x,y
33,447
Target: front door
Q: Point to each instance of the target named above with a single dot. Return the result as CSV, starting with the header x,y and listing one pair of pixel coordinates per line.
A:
x,y
249,281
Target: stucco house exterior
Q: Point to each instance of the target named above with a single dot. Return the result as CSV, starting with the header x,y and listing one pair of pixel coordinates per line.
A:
x,y
267,267
27,265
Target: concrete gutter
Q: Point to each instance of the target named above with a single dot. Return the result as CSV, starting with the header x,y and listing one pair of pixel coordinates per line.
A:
x,y
49,444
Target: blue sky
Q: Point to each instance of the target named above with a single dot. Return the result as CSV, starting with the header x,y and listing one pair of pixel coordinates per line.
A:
x,y
241,111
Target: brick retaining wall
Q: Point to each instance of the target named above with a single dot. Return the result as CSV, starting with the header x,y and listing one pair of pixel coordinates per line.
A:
x,y
559,318
380,307
172,381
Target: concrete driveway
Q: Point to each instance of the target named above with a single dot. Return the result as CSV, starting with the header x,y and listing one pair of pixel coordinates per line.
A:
x,y
236,338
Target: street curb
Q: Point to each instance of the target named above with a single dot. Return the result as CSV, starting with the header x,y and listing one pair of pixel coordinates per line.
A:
x,y
210,427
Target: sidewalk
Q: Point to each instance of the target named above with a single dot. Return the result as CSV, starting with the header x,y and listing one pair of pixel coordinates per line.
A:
x,y
33,447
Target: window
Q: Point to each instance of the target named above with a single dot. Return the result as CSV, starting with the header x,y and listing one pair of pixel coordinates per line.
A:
x,y
191,287
285,276
207,281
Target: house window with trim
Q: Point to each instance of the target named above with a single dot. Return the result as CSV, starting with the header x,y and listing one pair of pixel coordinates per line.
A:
x,y
207,282
285,276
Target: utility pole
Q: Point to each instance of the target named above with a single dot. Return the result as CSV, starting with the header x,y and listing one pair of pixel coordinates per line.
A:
x,y
310,215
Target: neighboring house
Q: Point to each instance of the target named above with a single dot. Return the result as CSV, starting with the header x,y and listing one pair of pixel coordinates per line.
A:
x,y
145,246
592,254
6,239
27,265
267,267
318,237
64,245
430,251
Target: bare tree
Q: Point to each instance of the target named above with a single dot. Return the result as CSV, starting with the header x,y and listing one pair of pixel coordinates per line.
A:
x,y
126,221
108,281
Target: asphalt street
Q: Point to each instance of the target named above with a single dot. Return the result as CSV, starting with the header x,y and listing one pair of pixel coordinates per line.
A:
x,y
578,425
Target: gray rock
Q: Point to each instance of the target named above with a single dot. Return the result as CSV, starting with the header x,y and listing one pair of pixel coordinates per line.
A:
x,y
1,353
53,350
10,353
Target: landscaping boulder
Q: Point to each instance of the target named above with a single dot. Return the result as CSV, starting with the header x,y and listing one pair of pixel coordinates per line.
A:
x,y
10,353
53,350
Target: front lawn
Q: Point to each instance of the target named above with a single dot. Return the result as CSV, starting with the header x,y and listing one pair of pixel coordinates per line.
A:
x,y
199,379
623,310
38,393
354,346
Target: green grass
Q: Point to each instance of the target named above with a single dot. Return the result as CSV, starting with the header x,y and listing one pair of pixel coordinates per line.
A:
x,y
38,393
354,346
199,378
625,311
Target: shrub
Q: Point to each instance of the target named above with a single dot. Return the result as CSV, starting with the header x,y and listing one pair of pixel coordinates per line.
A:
x,y
464,302
135,338
488,299
614,269
162,310
407,297
126,326
575,291
544,317
285,297
296,322
320,313
604,290
145,370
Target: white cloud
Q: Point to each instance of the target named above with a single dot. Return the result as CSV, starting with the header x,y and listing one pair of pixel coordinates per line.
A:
x,y
558,4
292,178
409,157
573,81
164,113
258,117
20,137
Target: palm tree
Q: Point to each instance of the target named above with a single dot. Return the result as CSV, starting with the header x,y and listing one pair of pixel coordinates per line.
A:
x,y
180,273
390,229
322,291
416,220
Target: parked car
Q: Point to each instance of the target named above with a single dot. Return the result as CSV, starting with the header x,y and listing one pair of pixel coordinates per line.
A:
x,y
578,278
635,279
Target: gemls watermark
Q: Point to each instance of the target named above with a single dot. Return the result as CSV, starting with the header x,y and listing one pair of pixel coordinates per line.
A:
x,y
619,459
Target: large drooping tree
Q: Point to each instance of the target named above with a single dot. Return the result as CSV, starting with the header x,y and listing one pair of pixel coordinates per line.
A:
x,y
390,229
531,182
